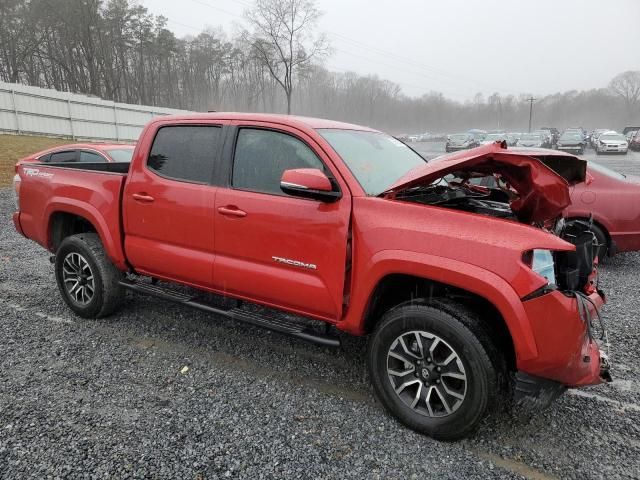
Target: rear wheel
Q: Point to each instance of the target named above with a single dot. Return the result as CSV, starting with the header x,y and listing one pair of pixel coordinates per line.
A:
x,y
88,282
434,369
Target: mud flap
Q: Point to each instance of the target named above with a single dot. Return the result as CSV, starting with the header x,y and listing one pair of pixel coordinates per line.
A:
x,y
535,393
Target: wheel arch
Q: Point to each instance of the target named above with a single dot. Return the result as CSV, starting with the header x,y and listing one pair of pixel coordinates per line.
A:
x,y
397,290
64,218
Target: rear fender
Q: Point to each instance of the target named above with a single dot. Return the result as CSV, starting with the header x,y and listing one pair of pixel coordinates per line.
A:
x,y
107,228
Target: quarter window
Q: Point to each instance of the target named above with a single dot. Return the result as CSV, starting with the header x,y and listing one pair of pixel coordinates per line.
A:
x,y
262,155
185,152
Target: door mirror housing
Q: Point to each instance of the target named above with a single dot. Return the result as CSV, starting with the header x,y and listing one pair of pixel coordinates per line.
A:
x,y
309,183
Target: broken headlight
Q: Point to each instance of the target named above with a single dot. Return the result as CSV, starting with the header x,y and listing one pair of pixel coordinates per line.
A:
x,y
543,264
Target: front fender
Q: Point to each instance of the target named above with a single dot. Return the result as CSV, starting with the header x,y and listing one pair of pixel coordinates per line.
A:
x,y
447,271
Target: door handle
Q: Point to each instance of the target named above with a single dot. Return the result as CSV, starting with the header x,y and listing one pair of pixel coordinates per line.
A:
x,y
142,197
232,211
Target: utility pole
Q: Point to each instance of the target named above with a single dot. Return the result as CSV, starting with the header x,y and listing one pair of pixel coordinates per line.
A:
x,y
531,100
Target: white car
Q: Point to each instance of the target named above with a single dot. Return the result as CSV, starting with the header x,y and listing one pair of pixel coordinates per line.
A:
x,y
612,142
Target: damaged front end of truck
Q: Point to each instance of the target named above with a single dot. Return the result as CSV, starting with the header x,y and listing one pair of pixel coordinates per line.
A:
x,y
531,187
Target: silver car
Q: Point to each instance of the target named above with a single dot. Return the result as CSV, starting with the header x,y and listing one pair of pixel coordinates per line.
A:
x,y
612,142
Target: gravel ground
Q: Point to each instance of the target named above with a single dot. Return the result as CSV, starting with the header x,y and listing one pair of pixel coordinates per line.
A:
x,y
111,398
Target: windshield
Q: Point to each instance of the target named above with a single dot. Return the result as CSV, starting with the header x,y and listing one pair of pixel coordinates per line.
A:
x,y
376,159
613,136
605,171
571,136
121,154
459,136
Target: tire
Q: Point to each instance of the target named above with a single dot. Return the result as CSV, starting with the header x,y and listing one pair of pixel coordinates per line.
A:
x,y
81,258
459,332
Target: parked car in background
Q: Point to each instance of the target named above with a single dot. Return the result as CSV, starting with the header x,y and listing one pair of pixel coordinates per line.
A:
x,y
493,137
634,144
460,141
612,142
535,140
512,138
629,128
83,152
554,132
630,135
614,201
478,134
595,134
572,141
547,137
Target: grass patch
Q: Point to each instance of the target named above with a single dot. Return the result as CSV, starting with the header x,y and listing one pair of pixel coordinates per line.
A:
x,y
15,147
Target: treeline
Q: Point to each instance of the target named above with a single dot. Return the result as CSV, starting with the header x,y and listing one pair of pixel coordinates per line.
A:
x,y
118,50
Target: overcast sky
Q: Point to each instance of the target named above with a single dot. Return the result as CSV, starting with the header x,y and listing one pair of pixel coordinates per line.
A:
x,y
459,47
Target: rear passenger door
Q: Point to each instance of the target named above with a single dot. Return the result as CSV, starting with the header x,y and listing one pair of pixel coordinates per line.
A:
x,y
168,205
258,226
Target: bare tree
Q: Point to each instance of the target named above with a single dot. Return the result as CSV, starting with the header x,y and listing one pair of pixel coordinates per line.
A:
x,y
284,39
626,85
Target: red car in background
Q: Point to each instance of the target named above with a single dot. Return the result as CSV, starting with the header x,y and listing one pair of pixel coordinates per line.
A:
x,y
614,201
83,152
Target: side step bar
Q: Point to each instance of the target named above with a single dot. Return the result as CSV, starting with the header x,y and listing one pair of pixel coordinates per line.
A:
x,y
267,321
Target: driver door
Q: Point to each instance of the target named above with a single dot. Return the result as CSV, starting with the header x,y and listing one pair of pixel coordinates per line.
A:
x,y
272,248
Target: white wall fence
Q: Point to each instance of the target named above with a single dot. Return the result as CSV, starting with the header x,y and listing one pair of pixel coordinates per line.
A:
x,y
33,110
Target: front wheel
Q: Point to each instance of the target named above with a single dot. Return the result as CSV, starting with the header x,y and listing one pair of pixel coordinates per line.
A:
x,y
432,369
88,282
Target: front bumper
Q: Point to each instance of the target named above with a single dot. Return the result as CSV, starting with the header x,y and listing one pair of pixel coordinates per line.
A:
x,y
612,148
567,352
570,148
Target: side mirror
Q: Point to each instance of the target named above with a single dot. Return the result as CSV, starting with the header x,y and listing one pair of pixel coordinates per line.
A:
x,y
308,183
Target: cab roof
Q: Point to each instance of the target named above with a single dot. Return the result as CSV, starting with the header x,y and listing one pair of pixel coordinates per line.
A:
x,y
293,120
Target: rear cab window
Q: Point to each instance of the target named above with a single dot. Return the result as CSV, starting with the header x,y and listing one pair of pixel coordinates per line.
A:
x,y
185,152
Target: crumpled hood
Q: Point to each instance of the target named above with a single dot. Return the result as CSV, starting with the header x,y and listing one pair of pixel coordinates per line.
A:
x,y
540,177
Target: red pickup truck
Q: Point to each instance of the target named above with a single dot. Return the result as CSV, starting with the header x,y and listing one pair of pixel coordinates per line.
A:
x,y
467,293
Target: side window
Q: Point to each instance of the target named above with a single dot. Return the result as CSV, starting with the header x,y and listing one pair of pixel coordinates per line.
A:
x,y
185,152
262,155
60,157
91,157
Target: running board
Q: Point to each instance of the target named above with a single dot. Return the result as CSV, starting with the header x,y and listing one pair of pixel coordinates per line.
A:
x,y
263,320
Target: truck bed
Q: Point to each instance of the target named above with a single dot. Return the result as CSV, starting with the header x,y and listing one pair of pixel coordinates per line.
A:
x,y
90,190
